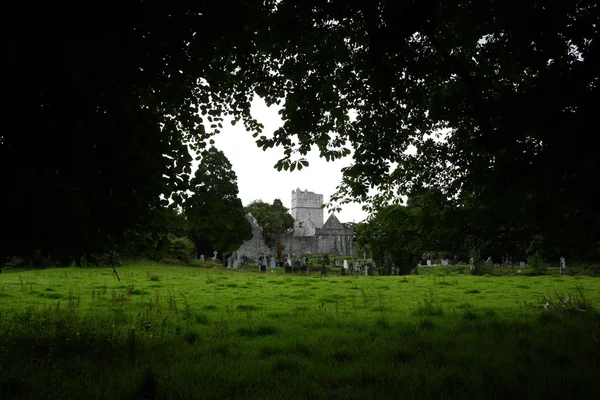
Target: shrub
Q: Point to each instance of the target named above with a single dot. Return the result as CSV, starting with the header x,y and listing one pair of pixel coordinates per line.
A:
x,y
536,262
179,250
481,268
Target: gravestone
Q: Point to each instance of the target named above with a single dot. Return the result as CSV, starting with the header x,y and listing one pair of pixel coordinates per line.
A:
x,y
364,256
345,264
444,262
563,264
263,268
201,257
367,270
357,266
236,263
489,260
429,263
471,263
229,262
273,266
215,255
522,264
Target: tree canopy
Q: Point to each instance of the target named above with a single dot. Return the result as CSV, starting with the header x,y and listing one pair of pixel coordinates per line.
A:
x,y
113,105
274,220
213,211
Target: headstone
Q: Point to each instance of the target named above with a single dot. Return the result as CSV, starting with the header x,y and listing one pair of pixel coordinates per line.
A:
x,y
357,266
364,256
471,263
563,264
489,260
273,266
201,257
522,264
345,264
215,255
429,263
444,262
229,262
367,270
236,263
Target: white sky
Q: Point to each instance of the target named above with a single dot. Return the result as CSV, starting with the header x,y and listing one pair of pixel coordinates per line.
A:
x,y
259,180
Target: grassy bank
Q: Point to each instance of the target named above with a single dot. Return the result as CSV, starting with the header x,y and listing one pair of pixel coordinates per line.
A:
x,y
181,332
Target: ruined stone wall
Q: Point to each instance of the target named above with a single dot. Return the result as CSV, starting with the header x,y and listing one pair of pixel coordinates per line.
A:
x,y
339,243
335,242
254,247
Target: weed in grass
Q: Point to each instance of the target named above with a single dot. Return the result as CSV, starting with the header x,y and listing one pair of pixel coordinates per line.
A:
x,y
286,365
342,356
249,320
191,337
221,329
266,331
429,307
172,302
426,324
187,311
247,307
472,291
201,319
153,277
269,351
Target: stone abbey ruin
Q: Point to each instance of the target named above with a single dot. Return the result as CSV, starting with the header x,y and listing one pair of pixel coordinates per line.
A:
x,y
309,234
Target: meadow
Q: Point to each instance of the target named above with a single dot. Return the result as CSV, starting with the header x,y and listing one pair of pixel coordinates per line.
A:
x,y
172,332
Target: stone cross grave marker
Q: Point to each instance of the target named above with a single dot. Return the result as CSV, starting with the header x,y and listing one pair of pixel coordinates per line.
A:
x,y
471,263
215,255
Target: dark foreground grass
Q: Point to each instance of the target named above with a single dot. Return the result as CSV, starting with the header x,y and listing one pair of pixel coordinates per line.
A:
x,y
197,333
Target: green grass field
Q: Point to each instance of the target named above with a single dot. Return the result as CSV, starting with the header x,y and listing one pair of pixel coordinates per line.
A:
x,y
184,332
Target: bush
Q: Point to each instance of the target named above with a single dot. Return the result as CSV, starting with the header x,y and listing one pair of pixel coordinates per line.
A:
x,y
181,249
536,262
481,268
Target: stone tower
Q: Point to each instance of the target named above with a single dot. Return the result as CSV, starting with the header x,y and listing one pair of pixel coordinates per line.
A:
x,y
307,212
